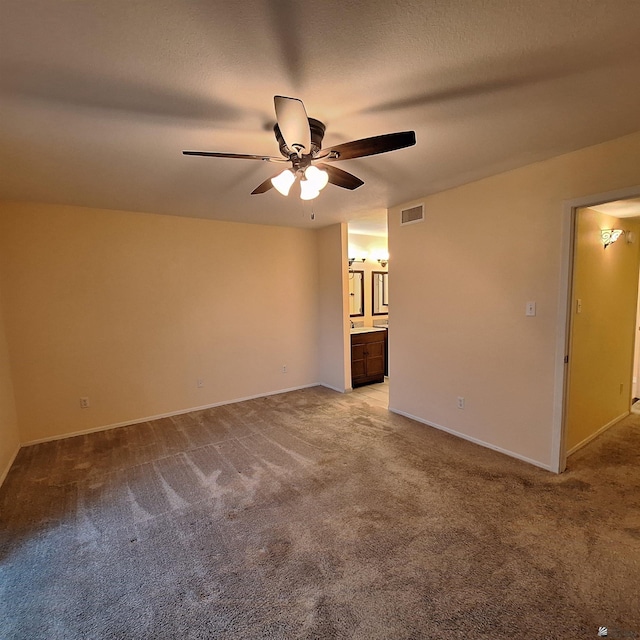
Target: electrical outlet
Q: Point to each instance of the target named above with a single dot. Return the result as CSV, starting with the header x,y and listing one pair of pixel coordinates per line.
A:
x,y
199,383
84,403
284,368
460,402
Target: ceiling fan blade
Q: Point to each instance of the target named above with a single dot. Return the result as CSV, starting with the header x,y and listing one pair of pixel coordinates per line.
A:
x,y
370,146
241,156
341,178
293,124
263,186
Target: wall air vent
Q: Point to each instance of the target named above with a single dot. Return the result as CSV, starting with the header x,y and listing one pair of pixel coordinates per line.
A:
x,y
412,215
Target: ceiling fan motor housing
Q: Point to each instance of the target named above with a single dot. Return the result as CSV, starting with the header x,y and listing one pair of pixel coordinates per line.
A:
x,y
317,129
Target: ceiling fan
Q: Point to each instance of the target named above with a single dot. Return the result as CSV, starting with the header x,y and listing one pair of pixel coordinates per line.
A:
x,y
300,140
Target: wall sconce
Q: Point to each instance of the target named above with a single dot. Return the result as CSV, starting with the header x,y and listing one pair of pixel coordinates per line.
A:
x,y
352,260
609,236
383,262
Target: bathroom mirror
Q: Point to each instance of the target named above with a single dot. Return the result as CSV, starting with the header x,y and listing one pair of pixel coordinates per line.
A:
x,y
379,293
356,293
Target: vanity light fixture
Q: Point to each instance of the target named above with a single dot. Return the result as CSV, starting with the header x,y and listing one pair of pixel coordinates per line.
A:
x,y
382,256
609,236
362,259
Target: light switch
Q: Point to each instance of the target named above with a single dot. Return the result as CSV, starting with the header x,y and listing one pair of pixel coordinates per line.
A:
x,y
579,305
531,309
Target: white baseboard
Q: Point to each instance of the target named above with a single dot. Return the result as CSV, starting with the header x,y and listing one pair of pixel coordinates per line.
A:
x,y
328,386
159,416
482,443
3,477
601,430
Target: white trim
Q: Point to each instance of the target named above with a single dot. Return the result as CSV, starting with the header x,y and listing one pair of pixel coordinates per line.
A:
x,y
328,386
558,453
168,415
559,459
3,477
482,443
600,431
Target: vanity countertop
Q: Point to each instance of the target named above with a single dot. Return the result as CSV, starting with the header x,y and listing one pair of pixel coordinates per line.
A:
x,y
366,329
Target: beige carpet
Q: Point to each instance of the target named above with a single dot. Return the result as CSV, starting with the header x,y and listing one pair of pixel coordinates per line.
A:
x,y
316,515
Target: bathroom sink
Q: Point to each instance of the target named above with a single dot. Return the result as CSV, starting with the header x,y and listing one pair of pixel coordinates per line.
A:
x,y
366,329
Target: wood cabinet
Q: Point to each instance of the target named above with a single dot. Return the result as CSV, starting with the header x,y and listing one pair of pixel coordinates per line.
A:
x,y
368,361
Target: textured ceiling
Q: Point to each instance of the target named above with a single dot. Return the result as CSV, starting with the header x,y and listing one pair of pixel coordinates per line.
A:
x,y
629,208
98,98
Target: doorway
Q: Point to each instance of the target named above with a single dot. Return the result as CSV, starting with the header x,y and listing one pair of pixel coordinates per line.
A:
x,y
635,383
602,319
368,259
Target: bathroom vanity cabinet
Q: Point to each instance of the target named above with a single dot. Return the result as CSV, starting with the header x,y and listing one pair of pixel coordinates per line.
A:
x,y
368,356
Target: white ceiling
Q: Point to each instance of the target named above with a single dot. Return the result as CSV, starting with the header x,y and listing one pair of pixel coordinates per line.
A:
x,y
373,224
98,98
629,208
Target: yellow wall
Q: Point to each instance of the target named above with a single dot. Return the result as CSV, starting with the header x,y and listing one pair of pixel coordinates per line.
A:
x,y
9,438
635,383
131,309
461,281
601,353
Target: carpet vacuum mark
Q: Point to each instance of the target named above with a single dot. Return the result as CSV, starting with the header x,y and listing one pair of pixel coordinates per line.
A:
x,y
313,514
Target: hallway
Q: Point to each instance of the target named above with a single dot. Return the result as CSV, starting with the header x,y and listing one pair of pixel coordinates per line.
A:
x,y
375,394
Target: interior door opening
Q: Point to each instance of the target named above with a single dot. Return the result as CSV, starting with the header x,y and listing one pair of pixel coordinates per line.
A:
x,y
368,261
602,377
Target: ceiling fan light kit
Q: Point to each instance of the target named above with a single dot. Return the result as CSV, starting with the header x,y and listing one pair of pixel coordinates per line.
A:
x,y
307,190
283,181
300,141
317,177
